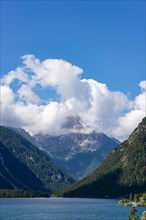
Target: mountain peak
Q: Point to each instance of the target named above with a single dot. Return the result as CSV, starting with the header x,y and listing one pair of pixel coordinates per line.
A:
x,y
77,153
122,172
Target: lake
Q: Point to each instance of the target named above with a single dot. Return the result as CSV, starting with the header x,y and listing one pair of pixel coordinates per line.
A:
x,y
63,209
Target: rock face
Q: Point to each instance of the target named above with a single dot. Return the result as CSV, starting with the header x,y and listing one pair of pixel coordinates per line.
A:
x,y
25,166
122,172
77,153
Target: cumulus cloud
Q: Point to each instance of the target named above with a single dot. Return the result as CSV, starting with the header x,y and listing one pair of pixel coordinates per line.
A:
x,y
26,94
18,74
98,108
142,84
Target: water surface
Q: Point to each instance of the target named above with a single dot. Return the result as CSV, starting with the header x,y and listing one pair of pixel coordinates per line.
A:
x,y
63,209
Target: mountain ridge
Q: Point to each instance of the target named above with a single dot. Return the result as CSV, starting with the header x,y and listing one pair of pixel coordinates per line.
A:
x,y
77,153
38,162
122,172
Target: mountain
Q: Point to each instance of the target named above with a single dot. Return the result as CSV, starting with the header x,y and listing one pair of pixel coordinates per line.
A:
x,y
14,174
77,153
122,172
24,134
25,166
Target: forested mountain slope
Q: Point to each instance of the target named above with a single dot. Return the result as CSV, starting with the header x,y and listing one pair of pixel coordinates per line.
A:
x,y
123,171
20,159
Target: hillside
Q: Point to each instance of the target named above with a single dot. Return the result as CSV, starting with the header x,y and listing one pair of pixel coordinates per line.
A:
x,y
123,171
15,174
23,164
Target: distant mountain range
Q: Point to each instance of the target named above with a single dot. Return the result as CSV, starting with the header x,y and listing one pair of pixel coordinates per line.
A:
x,y
28,162
77,153
25,166
122,172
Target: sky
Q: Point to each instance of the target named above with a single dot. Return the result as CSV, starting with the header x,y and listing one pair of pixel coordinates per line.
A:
x,y
62,59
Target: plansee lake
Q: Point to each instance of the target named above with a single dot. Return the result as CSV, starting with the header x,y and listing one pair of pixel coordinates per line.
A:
x,y
63,209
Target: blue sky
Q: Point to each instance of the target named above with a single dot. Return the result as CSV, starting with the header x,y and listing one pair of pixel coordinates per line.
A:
x,y
105,38
62,59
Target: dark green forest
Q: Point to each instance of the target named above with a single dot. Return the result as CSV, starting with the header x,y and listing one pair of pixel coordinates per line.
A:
x,y
5,193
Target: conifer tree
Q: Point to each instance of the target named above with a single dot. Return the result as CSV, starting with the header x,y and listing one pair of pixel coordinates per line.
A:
x,y
132,215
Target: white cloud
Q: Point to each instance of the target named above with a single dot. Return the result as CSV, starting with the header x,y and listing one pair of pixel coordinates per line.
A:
x,y
142,84
56,73
127,123
18,74
7,96
99,108
26,94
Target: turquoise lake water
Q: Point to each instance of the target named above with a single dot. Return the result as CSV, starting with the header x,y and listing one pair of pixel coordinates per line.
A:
x,y
63,209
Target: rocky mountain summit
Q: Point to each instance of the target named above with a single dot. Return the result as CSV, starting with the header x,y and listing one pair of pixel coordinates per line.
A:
x,y
78,154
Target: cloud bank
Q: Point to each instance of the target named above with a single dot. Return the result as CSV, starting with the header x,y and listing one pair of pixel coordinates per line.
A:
x,y
98,108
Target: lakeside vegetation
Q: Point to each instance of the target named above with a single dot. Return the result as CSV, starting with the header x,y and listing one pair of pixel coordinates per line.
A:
x,y
134,200
7,193
132,215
